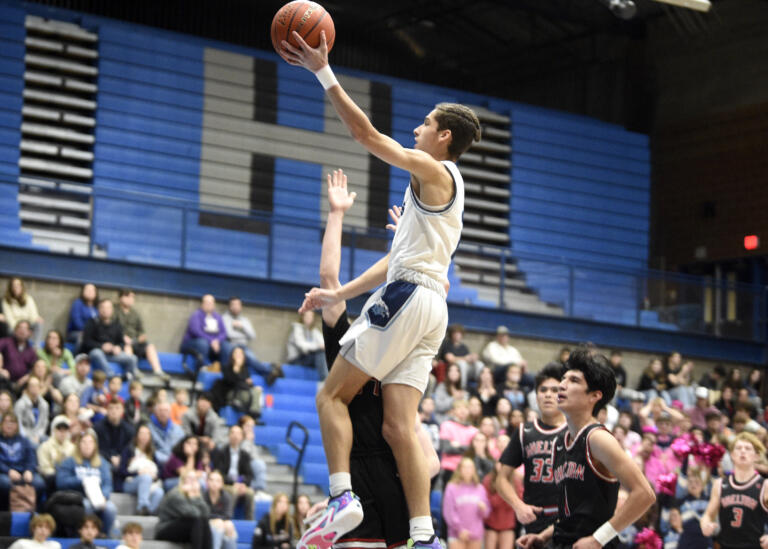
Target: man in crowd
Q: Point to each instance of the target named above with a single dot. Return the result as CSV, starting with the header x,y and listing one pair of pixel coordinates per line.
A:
x,y
206,337
54,450
455,351
17,355
234,464
165,433
103,341
499,354
134,336
114,432
699,411
33,412
78,381
203,422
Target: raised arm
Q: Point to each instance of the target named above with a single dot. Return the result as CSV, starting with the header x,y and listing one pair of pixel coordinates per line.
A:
x,y
339,201
608,453
419,163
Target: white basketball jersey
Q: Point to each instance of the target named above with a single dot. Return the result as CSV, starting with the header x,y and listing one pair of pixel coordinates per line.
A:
x,y
427,236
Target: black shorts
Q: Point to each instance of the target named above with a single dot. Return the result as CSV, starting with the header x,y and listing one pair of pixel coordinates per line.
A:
x,y
385,521
140,349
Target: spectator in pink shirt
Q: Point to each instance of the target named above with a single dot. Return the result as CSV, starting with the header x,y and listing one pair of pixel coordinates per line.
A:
x,y
465,506
455,437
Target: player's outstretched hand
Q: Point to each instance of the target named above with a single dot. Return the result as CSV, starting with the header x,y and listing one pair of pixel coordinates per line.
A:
x,y
395,213
764,542
312,59
339,198
530,541
317,298
526,514
588,542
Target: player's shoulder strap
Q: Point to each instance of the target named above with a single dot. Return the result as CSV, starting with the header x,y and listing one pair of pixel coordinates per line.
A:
x,y
601,474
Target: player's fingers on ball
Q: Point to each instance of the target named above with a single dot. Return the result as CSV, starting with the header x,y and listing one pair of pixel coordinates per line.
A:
x,y
290,47
304,46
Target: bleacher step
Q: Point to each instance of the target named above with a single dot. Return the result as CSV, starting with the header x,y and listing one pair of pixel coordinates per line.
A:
x,y
314,493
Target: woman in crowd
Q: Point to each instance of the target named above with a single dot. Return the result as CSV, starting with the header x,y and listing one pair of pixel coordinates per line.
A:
x,y
503,409
18,305
6,402
455,437
138,472
478,452
512,389
500,523
77,417
653,381
17,459
726,402
220,507
486,391
88,473
447,392
274,530
236,387
83,309
41,527
300,510
48,388
490,430
475,411
186,456
183,515
465,506
58,359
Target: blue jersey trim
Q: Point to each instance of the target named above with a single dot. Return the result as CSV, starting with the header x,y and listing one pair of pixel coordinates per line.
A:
x,y
392,302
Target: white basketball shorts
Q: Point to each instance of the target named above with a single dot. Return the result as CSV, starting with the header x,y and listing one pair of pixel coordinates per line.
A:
x,y
398,334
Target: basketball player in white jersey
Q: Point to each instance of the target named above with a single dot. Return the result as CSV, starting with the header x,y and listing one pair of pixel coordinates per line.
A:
x,y
403,323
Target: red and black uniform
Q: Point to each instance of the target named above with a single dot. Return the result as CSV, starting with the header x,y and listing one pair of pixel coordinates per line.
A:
x,y
742,512
533,448
587,497
372,465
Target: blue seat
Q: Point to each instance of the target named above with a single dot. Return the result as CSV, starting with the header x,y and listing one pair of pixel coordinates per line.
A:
x,y
268,435
230,415
313,453
295,386
271,416
262,508
315,473
294,371
208,379
20,524
295,403
106,543
245,528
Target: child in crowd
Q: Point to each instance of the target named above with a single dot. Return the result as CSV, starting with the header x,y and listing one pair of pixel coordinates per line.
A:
x,y
114,388
133,535
180,405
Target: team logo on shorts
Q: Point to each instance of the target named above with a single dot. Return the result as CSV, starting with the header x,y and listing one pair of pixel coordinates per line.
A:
x,y
380,309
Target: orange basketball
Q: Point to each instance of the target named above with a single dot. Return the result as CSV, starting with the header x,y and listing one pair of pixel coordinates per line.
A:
x,y
306,18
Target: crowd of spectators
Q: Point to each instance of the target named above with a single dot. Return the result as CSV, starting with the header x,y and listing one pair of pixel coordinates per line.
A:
x,y
677,428
71,424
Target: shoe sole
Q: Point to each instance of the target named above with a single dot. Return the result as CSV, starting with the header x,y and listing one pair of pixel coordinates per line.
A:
x,y
338,527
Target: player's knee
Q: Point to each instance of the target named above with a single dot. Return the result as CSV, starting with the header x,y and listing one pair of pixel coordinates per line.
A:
x,y
396,433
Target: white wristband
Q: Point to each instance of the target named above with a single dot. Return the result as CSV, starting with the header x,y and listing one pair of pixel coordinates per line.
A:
x,y
326,77
605,533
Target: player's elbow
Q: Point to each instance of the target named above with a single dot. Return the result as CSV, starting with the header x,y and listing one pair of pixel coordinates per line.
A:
x,y
646,495
433,466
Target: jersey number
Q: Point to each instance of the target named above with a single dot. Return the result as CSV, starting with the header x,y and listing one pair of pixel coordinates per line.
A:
x,y
541,465
738,514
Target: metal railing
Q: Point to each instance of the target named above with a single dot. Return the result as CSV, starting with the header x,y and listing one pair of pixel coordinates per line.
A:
x,y
569,287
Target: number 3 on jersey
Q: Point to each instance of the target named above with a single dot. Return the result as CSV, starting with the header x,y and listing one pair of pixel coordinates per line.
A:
x,y
738,514
541,465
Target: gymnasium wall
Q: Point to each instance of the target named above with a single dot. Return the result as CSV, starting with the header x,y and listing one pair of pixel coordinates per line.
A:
x,y
208,126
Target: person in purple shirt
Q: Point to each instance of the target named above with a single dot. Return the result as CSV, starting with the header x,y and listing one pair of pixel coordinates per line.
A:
x,y
17,355
206,336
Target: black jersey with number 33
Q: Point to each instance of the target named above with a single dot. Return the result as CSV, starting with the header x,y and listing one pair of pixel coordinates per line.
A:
x,y
587,496
742,513
533,449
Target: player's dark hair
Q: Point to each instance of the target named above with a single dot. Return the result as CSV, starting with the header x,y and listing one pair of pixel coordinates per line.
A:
x,y
553,370
597,373
463,123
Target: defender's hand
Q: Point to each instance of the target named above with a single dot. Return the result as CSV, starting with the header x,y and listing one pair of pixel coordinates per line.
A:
x,y
317,298
395,213
339,198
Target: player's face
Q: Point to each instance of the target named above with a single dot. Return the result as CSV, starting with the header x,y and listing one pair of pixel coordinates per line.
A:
x,y
546,396
573,395
743,453
426,135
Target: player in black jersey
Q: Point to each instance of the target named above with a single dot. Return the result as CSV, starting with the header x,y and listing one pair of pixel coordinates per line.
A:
x,y
373,468
740,501
532,446
589,464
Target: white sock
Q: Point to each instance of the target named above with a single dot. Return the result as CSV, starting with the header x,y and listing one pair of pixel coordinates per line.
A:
x,y
339,483
421,528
